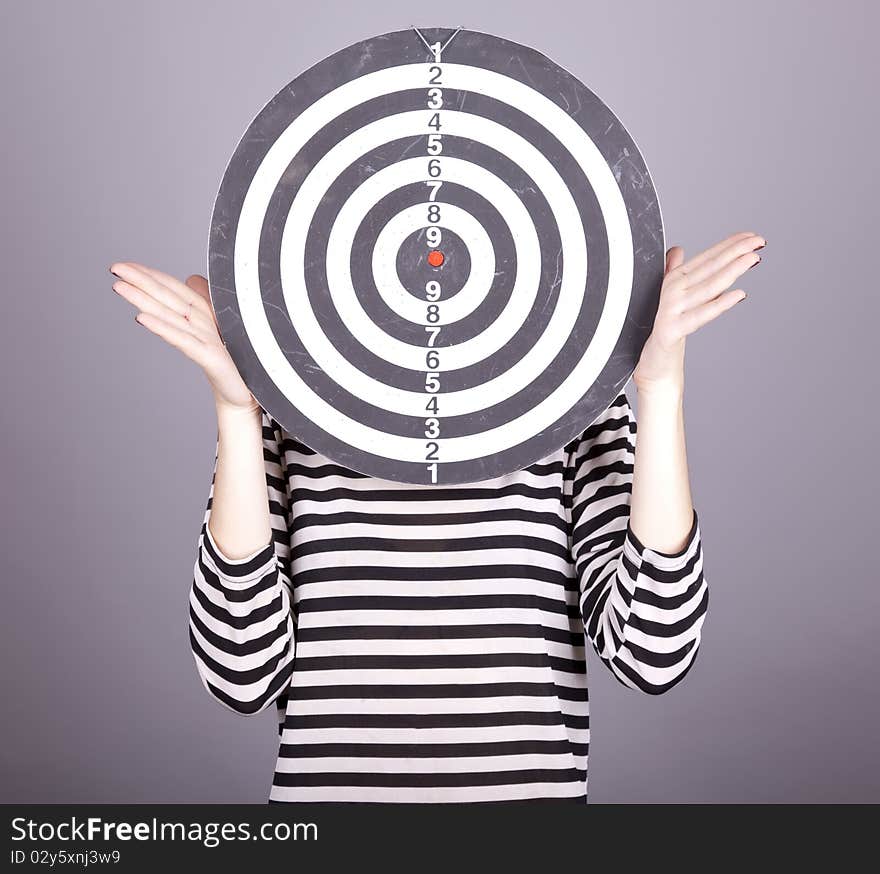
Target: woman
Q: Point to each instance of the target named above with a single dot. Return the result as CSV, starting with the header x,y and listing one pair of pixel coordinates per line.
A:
x,y
428,643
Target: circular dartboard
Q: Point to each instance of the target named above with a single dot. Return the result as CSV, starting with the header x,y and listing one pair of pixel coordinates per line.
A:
x,y
435,256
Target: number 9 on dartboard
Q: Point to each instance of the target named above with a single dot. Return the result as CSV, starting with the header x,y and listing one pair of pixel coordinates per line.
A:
x,y
435,256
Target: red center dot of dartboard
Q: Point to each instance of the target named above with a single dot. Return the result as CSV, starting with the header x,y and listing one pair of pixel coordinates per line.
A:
x,y
435,258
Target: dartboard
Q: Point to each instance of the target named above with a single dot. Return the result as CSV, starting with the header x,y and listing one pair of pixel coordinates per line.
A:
x,y
435,256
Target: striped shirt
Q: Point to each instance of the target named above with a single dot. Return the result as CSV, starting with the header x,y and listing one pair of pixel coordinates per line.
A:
x,y
427,644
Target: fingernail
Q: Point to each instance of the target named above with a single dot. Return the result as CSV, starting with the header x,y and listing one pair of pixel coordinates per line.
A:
x,y
115,274
760,247
756,263
139,322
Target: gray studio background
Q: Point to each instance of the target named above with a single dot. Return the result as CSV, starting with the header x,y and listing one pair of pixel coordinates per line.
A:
x,y
118,122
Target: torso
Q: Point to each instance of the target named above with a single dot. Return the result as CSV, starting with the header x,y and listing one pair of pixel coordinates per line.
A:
x,y
439,645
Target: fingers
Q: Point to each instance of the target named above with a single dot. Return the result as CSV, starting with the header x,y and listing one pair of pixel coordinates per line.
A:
x,y
689,266
694,319
185,291
745,246
698,262
695,291
162,286
196,324
717,282
201,301
142,278
181,339
162,295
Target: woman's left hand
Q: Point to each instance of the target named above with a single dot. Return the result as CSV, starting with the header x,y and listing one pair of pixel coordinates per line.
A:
x,y
694,292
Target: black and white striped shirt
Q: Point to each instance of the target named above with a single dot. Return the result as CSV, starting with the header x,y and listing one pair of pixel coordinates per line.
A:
x,y
427,644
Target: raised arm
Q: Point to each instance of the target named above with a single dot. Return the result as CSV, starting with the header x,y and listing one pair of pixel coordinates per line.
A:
x,y
643,609
241,623
635,536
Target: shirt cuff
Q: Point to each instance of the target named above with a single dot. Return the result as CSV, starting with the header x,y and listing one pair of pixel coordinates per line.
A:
x,y
239,568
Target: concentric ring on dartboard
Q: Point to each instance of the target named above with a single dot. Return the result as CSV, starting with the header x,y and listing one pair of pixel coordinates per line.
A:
x,y
385,267
376,257
529,328
334,197
345,297
509,338
508,418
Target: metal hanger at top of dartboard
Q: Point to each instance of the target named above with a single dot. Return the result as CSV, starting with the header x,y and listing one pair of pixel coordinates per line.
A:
x,y
437,53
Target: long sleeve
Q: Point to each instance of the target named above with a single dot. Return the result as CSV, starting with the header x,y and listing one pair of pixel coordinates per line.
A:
x,y
643,610
241,627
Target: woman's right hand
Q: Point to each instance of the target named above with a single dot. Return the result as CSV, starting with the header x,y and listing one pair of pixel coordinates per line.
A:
x,y
181,314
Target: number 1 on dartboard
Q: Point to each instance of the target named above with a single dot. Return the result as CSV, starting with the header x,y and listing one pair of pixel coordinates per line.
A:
x,y
433,239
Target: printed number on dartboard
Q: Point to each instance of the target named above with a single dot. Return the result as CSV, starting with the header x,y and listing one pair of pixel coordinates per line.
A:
x,y
433,240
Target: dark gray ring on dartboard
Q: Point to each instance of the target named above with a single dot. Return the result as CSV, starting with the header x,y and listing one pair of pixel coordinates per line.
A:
x,y
543,411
